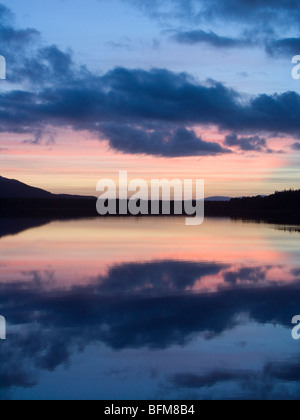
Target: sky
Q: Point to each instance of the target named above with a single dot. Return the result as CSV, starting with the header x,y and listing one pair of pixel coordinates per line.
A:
x,y
162,89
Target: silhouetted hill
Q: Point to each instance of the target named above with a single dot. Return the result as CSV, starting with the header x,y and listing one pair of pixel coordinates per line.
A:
x,y
23,207
10,188
281,207
218,198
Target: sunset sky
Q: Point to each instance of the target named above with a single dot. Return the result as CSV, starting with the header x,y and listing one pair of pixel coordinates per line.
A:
x,y
160,88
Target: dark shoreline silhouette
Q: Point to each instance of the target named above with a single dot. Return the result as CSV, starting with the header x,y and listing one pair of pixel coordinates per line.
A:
x,y
21,204
282,207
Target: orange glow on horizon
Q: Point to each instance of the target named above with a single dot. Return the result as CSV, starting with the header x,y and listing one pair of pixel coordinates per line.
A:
x,y
76,162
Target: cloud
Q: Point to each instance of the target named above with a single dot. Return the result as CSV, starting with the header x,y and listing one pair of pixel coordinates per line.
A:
x,y
257,12
28,60
251,275
286,47
209,380
211,38
163,142
153,112
16,38
296,146
247,12
283,47
124,43
247,144
153,107
9,36
260,22
284,371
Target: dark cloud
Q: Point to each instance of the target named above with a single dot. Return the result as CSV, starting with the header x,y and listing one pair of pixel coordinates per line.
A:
x,y
147,112
5,13
173,143
260,22
153,107
285,371
296,146
273,47
210,38
28,60
11,37
248,12
247,144
209,380
60,62
283,47
251,275
257,12
46,66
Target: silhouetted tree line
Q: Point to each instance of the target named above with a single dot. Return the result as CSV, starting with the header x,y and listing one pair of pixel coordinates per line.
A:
x,y
281,207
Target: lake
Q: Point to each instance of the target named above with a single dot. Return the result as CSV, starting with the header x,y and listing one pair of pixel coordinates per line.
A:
x,y
150,309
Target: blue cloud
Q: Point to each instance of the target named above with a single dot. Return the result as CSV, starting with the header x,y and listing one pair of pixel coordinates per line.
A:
x,y
138,111
211,38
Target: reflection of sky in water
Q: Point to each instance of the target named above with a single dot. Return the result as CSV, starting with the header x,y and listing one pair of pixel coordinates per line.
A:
x,y
150,309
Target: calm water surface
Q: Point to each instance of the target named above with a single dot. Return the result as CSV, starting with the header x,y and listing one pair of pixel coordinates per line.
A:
x,y
149,309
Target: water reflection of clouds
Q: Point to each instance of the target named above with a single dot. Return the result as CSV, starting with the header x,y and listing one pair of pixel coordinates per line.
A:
x,y
273,381
136,306
77,251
